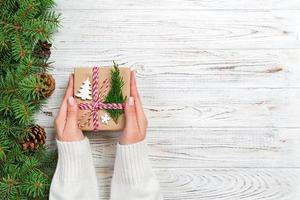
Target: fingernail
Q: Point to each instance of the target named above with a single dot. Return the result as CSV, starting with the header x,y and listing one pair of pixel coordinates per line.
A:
x,y
131,101
71,100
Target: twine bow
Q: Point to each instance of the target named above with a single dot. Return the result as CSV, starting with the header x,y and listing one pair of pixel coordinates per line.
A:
x,y
97,100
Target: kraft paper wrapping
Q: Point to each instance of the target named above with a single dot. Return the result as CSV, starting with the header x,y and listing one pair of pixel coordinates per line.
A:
x,y
80,75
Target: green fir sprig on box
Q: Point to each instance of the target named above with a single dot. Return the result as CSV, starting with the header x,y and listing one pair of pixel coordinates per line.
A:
x,y
26,28
115,94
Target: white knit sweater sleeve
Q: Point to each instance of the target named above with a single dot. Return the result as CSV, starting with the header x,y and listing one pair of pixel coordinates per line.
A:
x,y
75,175
133,177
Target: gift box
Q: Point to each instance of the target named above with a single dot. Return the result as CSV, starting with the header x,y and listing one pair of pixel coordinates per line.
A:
x,y
101,93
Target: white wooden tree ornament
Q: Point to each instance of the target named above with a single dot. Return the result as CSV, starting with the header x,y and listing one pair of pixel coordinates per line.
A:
x,y
85,90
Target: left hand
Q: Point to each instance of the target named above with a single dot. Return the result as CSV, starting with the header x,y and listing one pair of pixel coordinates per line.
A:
x,y
66,121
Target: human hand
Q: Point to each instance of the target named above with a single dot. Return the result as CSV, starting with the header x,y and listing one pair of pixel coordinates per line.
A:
x,y
66,121
136,121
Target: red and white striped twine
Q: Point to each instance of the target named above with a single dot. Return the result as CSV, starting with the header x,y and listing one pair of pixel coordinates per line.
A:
x,y
102,92
97,99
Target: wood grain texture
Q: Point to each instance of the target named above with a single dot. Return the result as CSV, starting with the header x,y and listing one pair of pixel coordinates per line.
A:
x,y
208,147
221,184
179,29
221,107
220,85
207,68
178,4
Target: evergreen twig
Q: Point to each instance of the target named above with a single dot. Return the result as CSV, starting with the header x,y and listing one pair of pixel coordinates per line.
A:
x,y
115,94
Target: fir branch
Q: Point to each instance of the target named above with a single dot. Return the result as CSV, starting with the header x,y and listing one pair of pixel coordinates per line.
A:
x,y
115,94
6,107
7,63
3,40
5,128
22,24
2,152
19,48
8,85
9,188
22,111
12,132
9,5
27,10
31,87
35,184
26,66
31,65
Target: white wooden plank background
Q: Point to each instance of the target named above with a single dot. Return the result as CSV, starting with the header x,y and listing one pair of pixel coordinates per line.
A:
x,y
220,82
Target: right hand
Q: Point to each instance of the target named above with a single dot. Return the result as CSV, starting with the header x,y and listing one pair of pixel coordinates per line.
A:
x,y
136,122
66,121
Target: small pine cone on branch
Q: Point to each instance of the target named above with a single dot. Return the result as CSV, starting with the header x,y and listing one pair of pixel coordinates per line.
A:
x,y
42,49
48,83
37,137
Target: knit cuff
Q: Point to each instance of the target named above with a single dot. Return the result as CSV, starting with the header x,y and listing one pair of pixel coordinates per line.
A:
x,y
132,164
73,158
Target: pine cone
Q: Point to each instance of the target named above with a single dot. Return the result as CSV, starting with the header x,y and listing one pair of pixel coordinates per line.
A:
x,y
49,83
37,137
42,49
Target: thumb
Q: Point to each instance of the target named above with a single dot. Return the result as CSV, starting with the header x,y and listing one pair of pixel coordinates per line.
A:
x,y
131,133
131,125
72,109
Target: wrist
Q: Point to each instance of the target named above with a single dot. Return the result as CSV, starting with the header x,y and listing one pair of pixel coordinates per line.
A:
x,y
71,137
131,138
